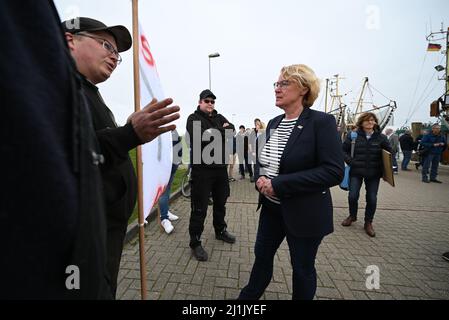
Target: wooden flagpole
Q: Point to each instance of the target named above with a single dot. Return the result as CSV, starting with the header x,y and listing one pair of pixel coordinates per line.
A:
x,y
143,276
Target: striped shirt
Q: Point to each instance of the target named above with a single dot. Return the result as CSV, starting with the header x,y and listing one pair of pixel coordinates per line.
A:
x,y
271,154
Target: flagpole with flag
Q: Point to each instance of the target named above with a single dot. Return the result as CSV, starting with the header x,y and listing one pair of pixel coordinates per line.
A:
x,y
435,47
154,159
143,276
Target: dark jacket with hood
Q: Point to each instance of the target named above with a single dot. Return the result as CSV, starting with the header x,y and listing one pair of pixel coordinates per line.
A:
x,y
406,141
52,223
119,179
367,160
209,127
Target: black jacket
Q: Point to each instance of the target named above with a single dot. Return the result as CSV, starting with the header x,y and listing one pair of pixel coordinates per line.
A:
x,y
213,124
117,171
407,143
367,161
51,209
312,162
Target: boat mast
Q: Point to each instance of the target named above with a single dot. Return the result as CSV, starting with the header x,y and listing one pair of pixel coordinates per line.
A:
x,y
360,102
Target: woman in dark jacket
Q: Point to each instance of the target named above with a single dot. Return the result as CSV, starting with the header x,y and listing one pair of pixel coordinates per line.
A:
x,y
298,163
366,165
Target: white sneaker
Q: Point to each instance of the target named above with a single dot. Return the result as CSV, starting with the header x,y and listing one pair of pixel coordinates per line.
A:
x,y
167,226
172,217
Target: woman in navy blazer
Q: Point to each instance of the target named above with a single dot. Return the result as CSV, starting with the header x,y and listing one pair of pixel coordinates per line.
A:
x,y
299,161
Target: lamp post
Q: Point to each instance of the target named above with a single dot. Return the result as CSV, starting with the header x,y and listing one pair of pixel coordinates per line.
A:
x,y
212,55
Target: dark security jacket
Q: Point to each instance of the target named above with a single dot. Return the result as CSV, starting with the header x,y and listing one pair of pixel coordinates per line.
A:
x,y
213,121
367,161
312,162
119,179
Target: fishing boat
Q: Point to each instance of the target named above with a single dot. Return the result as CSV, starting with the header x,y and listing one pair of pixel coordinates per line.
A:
x,y
346,116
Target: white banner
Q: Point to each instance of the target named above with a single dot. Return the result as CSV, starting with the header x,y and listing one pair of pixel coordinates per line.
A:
x,y
157,154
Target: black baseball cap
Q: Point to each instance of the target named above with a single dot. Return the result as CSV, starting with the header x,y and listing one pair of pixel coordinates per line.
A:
x,y
80,24
207,94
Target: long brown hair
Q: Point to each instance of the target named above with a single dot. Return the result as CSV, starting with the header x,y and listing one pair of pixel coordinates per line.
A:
x,y
365,117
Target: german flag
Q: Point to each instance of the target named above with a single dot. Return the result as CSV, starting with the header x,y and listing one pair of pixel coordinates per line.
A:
x,y
434,47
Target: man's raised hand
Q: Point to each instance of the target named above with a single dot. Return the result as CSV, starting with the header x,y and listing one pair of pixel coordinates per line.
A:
x,y
149,122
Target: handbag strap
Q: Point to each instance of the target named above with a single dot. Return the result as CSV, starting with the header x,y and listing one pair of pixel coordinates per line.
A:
x,y
353,138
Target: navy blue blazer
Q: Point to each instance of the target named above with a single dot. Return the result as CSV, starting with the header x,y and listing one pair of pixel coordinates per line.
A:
x,y
311,163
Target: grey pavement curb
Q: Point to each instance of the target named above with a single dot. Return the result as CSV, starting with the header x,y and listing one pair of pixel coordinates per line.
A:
x,y
133,228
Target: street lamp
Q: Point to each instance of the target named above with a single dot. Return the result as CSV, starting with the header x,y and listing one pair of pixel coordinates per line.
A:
x,y
212,55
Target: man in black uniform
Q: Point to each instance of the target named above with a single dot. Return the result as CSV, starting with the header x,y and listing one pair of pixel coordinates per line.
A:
x,y
95,48
52,221
209,174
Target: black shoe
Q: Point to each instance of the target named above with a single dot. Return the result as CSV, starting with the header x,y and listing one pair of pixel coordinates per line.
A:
x,y
225,236
199,253
251,179
446,256
435,180
425,180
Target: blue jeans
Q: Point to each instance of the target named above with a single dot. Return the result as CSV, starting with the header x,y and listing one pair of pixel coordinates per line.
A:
x,y
434,160
406,160
270,234
371,187
163,200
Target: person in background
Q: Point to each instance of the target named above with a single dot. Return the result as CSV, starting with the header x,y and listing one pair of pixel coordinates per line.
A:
x,y
436,144
243,150
253,149
232,146
418,148
366,166
407,146
165,215
394,143
294,185
209,175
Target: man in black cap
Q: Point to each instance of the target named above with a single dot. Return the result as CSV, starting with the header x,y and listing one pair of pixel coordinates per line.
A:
x,y
209,174
95,48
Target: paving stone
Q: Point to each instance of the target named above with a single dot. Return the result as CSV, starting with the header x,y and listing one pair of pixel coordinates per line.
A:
x,y
411,227
168,292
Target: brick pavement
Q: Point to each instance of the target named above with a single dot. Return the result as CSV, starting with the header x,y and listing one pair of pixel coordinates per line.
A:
x,y
411,223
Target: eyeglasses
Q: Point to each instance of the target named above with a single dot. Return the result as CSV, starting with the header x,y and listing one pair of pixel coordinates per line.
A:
x,y
209,101
281,84
106,45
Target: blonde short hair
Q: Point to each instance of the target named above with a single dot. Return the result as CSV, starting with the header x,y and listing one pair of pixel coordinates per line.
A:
x,y
304,78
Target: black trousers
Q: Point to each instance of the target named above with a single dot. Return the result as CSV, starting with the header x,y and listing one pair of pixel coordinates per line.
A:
x,y
244,165
115,239
206,181
270,234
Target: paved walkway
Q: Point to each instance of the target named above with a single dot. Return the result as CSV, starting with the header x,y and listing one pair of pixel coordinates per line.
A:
x,y
411,222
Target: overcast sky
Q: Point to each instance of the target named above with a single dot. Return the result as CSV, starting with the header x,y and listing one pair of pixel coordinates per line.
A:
x,y
384,40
